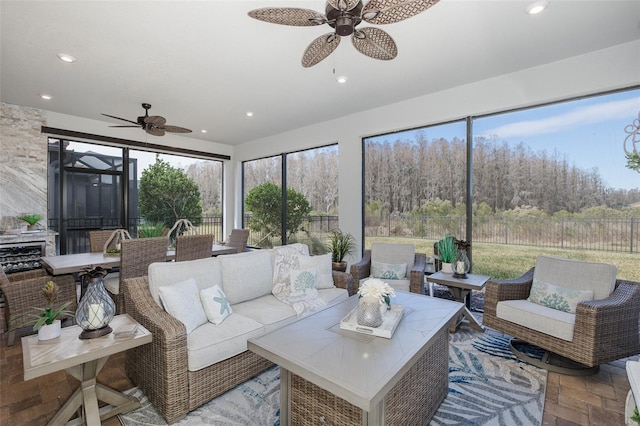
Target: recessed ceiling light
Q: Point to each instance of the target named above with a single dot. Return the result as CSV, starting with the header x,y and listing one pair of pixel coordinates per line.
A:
x,y
342,79
66,58
249,114
203,131
537,7
46,96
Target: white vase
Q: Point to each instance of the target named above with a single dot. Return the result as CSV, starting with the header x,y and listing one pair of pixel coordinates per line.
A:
x,y
369,313
48,332
447,268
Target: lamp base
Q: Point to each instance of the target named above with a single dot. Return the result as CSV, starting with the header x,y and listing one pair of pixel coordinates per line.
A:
x,y
92,334
461,276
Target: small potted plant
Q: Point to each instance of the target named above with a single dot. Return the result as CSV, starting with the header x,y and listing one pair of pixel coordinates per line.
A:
x,y
31,219
47,321
340,244
447,251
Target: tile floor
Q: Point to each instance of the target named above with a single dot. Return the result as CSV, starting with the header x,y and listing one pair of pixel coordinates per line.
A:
x,y
593,400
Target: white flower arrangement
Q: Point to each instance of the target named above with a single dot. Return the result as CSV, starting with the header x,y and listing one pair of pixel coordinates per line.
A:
x,y
374,287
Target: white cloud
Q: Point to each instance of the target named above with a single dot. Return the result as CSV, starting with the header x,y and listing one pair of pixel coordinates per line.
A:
x,y
577,117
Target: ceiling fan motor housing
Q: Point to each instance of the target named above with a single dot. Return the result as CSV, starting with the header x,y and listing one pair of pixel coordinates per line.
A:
x,y
344,21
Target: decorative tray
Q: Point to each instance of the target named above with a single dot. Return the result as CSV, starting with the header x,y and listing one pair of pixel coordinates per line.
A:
x,y
390,321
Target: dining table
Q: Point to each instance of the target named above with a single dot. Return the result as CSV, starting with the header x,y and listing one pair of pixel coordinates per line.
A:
x,y
78,262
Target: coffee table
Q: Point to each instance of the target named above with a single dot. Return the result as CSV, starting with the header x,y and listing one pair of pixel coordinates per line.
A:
x,y
334,376
83,359
460,289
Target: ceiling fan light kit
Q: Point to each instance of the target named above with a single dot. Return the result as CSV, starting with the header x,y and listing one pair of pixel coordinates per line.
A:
x,y
344,16
152,124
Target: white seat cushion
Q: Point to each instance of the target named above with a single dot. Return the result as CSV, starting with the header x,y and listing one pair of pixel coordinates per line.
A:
x,y
212,343
333,295
267,310
537,317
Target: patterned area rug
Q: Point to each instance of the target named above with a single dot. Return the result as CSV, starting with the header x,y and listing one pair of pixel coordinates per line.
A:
x,y
488,385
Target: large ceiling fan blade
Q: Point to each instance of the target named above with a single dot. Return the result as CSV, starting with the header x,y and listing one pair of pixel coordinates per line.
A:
x,y
319,49
155,131
176,129
119,118
374,43
343,5
126,126
155,120
289,16
390,11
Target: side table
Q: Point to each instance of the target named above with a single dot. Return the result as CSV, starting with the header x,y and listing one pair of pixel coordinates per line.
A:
x,y
461,288
83,359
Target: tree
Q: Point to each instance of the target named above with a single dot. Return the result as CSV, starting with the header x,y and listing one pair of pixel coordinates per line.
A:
x,y
167,194
265,204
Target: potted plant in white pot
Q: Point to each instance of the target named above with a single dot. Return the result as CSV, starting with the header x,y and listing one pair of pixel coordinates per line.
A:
x,y
48,321
340,244
447,250
32,220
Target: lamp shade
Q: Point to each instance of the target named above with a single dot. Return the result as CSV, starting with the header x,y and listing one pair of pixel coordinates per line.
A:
x,y
96,308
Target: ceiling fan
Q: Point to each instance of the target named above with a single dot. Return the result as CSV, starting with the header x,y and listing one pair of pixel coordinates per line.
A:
x,y
152,124
344,16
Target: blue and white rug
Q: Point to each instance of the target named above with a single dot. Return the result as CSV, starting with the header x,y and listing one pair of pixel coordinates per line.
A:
x,y
488,386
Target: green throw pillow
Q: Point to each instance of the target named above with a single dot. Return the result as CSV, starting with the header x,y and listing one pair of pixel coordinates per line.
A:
x,y
560,298
388,271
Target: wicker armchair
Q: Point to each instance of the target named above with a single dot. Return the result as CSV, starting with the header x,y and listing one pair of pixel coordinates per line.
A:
x,y
192,247
97,239
159,369
606,329
238,239
23,291
135,257
393,254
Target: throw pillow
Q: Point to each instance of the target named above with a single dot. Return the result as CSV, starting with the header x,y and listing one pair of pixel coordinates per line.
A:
x,y
560,298
303,283
388,271
182,301
322,264
215,304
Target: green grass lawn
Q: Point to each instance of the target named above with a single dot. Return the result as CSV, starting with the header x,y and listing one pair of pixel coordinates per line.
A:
x,y
501,261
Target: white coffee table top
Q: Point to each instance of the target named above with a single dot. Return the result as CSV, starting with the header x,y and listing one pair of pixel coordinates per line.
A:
x,y
356,367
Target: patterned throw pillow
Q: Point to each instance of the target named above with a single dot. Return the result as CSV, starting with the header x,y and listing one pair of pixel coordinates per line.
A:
x,y
388,271
322,264
303,283
560,298
215,304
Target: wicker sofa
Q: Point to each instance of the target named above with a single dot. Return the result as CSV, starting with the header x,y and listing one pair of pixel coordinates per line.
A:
x,y
180,372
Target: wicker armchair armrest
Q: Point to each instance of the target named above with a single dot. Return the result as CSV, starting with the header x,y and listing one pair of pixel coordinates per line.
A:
x,y
159,368
343,280
361,269
416,275
611,323
511,289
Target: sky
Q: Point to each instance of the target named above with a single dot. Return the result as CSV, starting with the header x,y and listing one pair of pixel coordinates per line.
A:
x,y
588,133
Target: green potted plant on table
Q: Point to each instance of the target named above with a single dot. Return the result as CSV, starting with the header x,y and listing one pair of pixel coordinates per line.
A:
x,y
340,244
47,321
32,220
447,250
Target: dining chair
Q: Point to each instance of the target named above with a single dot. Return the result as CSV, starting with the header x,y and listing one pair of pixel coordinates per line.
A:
x,y
191,247
136,255
97,239
238,239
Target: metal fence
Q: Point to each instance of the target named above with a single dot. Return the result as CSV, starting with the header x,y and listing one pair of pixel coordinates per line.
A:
x,y
605,234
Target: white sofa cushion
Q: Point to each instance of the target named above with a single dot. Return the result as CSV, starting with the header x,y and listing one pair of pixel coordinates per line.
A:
x,y
576,274
182,301
246,276
268,311
322,264
537,317
212,343
205,272
215,304
333,295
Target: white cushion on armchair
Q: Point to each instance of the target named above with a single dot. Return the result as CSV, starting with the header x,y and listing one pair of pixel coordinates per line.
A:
x,y
395,254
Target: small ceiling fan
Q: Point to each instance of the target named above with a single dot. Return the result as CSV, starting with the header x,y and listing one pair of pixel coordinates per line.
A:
x,y
152,124
344,16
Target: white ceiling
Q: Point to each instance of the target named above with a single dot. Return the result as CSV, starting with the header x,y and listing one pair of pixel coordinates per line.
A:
x,y
203,64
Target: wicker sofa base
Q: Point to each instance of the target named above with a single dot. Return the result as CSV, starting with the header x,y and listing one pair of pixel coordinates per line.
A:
x,y
412,401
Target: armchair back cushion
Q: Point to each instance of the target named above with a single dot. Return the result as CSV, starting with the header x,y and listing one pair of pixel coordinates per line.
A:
x,y
205,272
394,254
577,275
